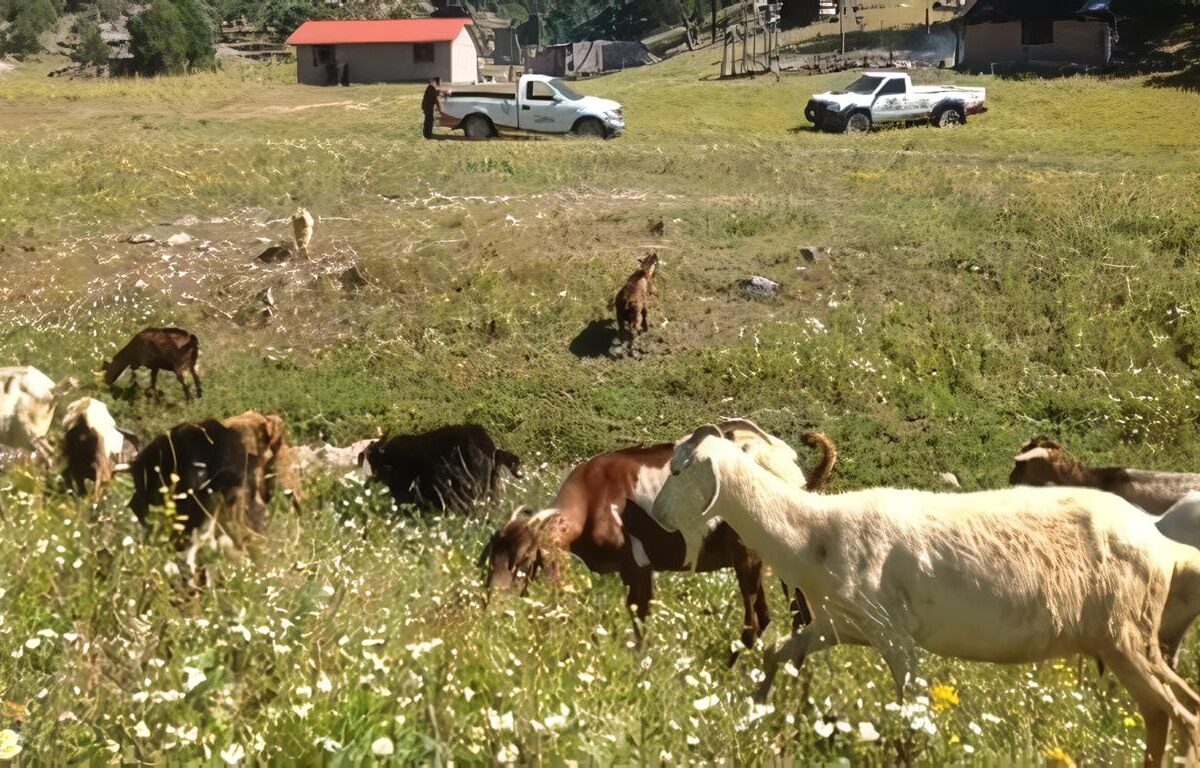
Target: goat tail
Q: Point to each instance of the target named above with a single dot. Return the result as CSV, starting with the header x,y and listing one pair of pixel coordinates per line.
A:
x,y
824,468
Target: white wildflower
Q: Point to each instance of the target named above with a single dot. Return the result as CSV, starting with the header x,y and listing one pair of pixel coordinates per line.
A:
x,y
382,747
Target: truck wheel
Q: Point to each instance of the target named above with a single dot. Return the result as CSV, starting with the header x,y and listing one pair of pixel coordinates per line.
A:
x,y
589,127
859,122
478,127
949,117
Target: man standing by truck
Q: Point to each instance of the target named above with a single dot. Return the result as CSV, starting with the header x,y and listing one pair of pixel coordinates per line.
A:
x,y
432,93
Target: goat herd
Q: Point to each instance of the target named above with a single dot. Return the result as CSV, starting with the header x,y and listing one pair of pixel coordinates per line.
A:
x,y
1099,562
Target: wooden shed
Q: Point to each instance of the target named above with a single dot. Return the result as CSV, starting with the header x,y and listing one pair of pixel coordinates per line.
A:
x,y
1031,34
387,51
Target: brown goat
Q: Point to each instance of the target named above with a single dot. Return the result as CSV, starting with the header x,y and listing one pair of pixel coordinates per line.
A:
x,y
633,301
265,439
159,349
599,515
1045,462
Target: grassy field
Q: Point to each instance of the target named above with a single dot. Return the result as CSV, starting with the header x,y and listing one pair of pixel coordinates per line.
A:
x,y
1032,272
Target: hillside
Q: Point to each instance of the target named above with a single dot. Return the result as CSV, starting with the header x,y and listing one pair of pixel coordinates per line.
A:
x,y
1032,272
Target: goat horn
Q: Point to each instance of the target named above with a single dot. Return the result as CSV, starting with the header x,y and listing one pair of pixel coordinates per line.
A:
x,y
1033,453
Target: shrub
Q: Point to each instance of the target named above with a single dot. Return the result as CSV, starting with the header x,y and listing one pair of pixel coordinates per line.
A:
x,y
28,20
170,37
91,50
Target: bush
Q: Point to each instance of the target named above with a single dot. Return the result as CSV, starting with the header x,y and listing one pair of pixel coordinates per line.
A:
x,y
170,37
28,21
200,32
284,16
158,40
91,50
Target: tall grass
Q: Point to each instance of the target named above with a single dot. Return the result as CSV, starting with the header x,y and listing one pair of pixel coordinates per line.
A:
x,y
1031,272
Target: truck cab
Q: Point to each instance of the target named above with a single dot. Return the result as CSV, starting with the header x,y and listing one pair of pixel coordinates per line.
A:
x,y
890,97
534,104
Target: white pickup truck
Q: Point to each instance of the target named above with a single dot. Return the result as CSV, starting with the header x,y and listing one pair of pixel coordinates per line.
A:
x,y
533,104
890,97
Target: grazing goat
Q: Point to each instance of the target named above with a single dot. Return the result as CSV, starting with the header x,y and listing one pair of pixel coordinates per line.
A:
x,y
159,349
203,468
264,438
1009,576
93,446
600,515
1044,462
449,468
26,409
302,231
633,301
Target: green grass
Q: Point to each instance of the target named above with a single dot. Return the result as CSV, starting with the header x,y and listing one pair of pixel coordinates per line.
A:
x,y
1034,271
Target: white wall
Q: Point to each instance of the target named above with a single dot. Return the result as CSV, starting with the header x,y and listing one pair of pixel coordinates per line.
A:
x,y
464,59
393,62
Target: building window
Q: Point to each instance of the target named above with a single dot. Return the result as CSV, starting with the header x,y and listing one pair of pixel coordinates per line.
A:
x,y
322,55
1037,31
423,53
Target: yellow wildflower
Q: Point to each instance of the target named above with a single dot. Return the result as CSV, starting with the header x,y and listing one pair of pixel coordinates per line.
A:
x,y
1130,721
1057,758
944,696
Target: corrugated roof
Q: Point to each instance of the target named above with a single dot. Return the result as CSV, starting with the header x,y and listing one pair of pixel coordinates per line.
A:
x,y
384,31
1012,10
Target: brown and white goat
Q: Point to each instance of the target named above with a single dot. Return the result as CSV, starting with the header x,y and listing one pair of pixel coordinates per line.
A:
x,y
93,446
1045,462
600,515
159,349
633,301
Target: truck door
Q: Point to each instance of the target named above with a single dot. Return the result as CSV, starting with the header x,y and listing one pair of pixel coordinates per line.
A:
x,y
540,110
890,101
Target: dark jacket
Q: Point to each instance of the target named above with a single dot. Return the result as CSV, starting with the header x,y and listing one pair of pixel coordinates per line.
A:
x,y
430,99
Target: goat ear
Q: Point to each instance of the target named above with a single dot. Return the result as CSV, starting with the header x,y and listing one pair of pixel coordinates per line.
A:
x,y
1033,453
729,425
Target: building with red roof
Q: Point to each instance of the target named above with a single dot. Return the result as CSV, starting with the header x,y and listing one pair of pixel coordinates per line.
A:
x,y
385,51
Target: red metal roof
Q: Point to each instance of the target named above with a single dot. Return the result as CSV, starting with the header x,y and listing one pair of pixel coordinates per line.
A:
x,y
385,31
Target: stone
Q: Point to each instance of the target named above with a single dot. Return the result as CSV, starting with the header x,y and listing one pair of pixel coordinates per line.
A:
x,y
181,238
760,286
140,238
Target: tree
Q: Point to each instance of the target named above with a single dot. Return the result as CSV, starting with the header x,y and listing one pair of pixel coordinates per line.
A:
x,y
284,16
91,50
28,20
200,31
158,40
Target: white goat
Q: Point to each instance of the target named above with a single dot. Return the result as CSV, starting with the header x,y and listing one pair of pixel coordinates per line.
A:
x,y
1015,575
26,408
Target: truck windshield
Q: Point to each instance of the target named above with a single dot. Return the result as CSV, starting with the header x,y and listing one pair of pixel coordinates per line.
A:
x,y
565,90
865,85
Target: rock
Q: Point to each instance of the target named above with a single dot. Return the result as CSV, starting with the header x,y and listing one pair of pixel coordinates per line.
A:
x,y
760,286
262,240
275,254
948,478
140,238
813,253
352,279
187,221
181,238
